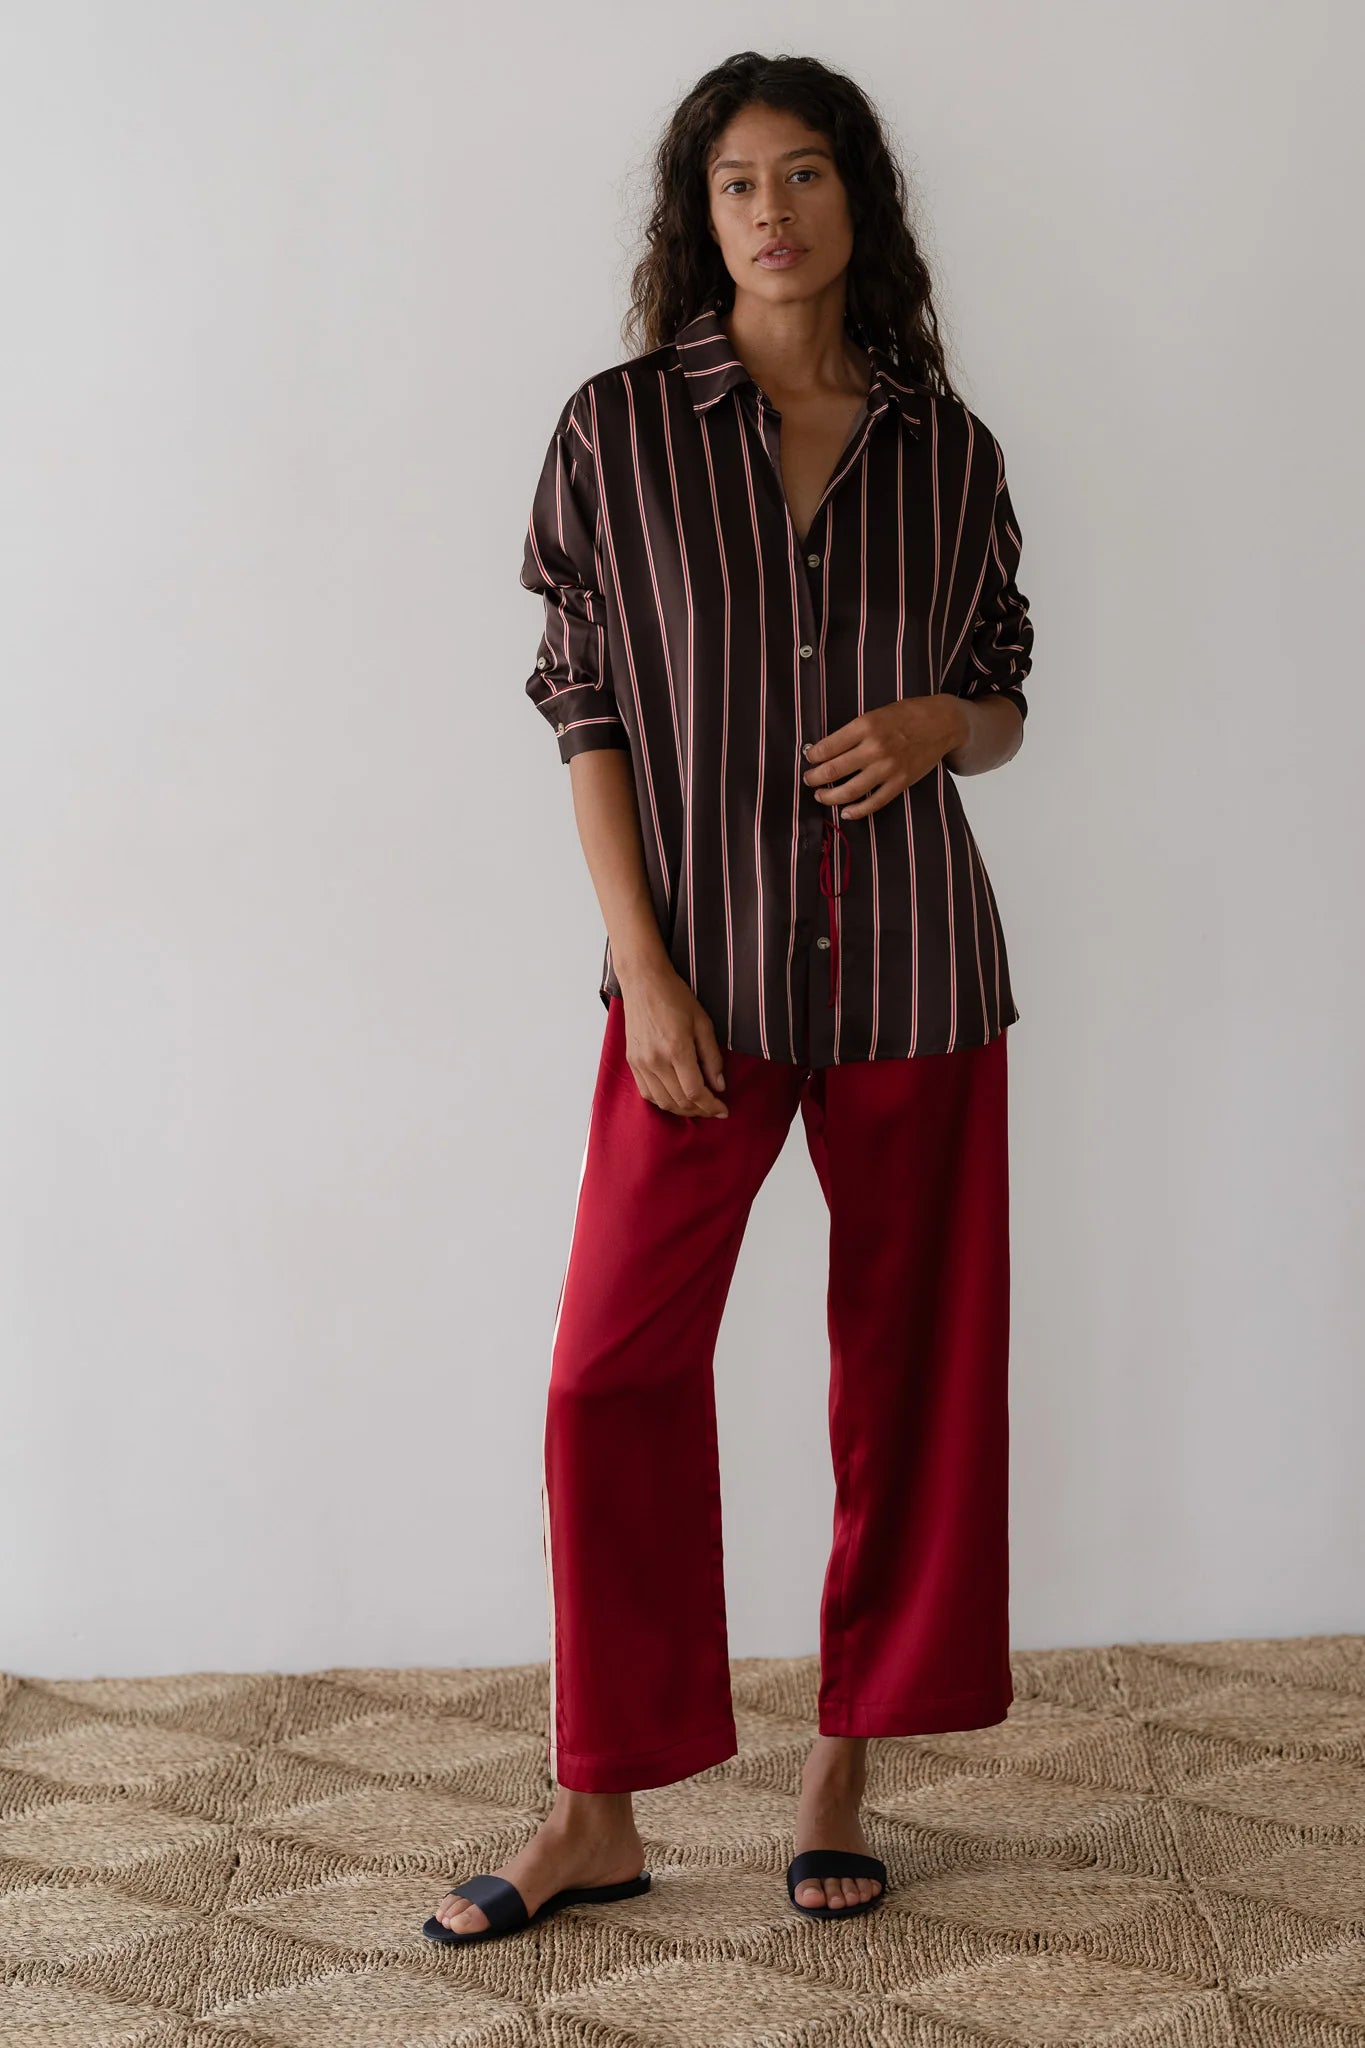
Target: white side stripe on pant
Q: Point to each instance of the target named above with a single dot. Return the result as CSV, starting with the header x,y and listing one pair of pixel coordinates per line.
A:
x,y
544,1487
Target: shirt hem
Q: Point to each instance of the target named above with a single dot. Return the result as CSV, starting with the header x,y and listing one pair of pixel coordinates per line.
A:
x,y
921,1051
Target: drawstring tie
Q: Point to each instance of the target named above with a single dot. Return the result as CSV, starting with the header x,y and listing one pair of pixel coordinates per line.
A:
x,y
835,837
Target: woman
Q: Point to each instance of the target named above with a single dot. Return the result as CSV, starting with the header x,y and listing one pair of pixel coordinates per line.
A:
x,y
777,555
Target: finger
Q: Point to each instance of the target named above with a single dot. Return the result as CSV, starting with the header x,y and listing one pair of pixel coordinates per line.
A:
x,y
857,775
847,792
840,741
659,1088
871,799
708,1047
836,766
851,792
698,1097
647,1077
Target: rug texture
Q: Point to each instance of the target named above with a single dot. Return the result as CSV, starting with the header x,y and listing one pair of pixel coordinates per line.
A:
x,y
1162,1844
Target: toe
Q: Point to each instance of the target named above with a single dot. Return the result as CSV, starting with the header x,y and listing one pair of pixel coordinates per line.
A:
x,y
460,1916
838,1892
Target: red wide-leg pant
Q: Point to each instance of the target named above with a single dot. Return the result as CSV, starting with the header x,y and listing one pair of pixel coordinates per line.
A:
x,y
914,1632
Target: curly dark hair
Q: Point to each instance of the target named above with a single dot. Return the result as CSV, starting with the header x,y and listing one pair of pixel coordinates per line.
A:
x,y
888,298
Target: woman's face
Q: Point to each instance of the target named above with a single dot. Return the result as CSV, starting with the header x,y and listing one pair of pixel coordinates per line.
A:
x,y
772,178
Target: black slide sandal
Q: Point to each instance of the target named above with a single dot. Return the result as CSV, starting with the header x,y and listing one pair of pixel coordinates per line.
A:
x,y
835,1863
506,1908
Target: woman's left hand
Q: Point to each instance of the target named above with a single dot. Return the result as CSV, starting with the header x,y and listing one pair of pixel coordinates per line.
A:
x,y
862,765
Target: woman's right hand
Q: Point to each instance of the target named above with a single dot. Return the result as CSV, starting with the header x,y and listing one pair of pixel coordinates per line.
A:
x,y
671,1045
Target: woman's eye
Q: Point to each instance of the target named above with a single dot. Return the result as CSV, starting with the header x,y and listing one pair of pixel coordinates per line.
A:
x,y
802,171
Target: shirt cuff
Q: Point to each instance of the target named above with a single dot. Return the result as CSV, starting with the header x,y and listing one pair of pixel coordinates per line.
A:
x,y
580,735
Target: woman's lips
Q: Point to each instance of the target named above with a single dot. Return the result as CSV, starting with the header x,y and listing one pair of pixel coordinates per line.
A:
x,y
781,259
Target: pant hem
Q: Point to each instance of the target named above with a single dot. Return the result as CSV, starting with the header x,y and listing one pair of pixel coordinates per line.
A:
x,y
908,1717
636,1771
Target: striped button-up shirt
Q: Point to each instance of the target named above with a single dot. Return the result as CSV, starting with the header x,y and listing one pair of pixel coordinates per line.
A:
x,y
686,622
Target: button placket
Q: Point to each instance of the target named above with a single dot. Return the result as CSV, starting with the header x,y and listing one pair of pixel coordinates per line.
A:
x,y
812,719
809,683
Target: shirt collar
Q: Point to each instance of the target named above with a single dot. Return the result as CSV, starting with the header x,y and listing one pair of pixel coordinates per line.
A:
x,y
712,368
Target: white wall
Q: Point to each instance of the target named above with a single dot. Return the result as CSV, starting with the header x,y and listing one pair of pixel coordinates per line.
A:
x,y
300,952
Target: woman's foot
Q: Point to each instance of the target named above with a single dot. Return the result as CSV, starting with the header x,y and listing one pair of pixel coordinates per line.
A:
x,y
586,1838
827,1818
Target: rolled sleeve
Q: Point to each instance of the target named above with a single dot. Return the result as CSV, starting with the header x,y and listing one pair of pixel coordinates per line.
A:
x,y
571,683
1000,646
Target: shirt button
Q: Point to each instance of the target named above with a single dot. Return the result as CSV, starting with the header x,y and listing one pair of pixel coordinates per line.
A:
x,y
806,652
540,661
559,728
822,943
812,561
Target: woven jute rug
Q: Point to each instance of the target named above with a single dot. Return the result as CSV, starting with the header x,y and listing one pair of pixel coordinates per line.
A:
x,y
1163,1843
